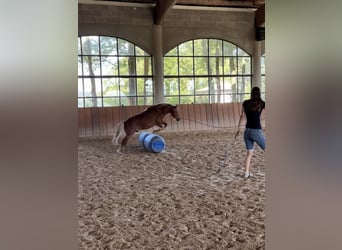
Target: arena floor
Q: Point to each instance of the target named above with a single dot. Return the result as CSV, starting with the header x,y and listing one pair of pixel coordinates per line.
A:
x,y
182,198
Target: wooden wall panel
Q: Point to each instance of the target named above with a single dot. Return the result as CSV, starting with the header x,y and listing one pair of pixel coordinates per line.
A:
x,y
231,116
204,119
95,123
103,121
88,122
209,115
110,121
116,118
236,111
184,123
221,123
81,128
192,116
175,126
215,115
197,117
225,117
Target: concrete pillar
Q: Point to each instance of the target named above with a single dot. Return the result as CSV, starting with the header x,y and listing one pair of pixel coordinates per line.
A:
x,y
158,64
256,77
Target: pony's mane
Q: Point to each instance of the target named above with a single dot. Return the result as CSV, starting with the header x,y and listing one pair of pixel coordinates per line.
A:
x,y
165,107
161,106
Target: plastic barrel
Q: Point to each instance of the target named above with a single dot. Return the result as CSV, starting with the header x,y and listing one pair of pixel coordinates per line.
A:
x,y
154,143
142,137
151,142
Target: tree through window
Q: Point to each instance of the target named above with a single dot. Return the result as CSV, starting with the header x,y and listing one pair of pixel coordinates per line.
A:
x,y
207,71
113,72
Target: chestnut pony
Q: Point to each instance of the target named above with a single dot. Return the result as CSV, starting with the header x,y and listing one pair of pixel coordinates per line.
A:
x,y
150,117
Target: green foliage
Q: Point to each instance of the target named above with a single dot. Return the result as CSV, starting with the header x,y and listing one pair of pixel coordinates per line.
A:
x,y
117,63
109,65
110,87
186,99
230,65
90,45
201,65
185,66
186,86
185,49
93,102
140,52
172,52
242,52
201,47
172,99
120,73
170,66
201,86
244,65
215,47
143,66
202,99
229,49
171,86
146,100
125,48
108,45
214,65
110,102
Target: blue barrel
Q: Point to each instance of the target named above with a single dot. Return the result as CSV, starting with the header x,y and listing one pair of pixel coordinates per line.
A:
x,y
142,137
152,142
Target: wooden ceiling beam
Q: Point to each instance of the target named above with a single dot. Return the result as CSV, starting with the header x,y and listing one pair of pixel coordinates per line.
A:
x,y
161,8
260,16
219,3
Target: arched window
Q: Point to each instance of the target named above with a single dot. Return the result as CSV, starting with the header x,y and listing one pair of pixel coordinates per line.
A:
x,y
207,71
113,72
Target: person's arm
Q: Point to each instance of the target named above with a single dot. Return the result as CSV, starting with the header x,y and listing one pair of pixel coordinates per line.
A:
x,y
262,118
241,116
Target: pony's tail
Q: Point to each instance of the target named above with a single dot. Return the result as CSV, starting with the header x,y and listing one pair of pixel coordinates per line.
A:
x,y
119,134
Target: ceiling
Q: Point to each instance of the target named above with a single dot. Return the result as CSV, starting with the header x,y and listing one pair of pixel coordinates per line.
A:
x,y
161,7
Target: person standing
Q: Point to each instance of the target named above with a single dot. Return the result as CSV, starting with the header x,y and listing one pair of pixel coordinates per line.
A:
x,y
253,133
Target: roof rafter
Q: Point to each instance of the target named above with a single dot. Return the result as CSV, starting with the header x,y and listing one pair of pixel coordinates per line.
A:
x,y
260,16
161,8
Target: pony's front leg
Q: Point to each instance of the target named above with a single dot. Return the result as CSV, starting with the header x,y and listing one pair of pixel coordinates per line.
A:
x,y
162,126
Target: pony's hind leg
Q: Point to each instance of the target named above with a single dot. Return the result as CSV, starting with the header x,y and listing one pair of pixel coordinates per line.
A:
x,y
119,149
123,145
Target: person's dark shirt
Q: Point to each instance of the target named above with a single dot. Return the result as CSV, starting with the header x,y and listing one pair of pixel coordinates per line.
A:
x,y
253,117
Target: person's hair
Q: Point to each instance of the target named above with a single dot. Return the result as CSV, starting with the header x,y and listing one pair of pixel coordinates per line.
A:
x,y
256,102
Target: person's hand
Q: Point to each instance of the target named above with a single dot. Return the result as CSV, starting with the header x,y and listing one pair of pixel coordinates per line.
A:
x,y
237,134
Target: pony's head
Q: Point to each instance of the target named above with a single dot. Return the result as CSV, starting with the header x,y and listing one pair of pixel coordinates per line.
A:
x,y
174,112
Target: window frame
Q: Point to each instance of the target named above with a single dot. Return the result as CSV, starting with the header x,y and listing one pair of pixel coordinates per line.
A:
x,y
121,98
225,77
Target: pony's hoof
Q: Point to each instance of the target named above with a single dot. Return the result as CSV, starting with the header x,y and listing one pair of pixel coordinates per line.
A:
x,y
119,152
